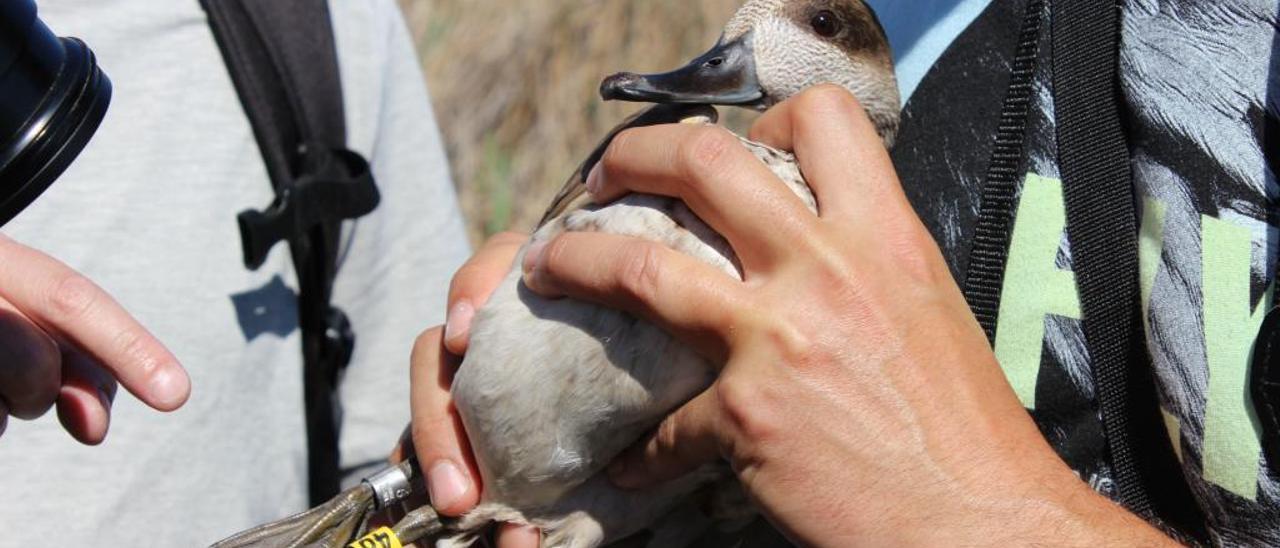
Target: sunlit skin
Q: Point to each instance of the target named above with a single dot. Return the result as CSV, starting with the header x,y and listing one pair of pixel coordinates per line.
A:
x,y
858,399
65,342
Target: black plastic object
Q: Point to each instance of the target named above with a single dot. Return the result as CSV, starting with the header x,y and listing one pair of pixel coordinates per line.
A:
x,y
52,98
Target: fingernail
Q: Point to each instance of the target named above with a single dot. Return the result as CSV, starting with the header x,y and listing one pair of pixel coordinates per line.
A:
x,y
459,321
446,485
170,387
594,180
106,401
106,408
532,255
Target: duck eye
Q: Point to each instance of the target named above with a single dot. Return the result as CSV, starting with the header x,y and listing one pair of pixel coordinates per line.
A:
x,y
825,24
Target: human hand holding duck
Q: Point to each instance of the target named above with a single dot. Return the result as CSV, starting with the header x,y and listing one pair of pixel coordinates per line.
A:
x,y
857,399
821,348
700,315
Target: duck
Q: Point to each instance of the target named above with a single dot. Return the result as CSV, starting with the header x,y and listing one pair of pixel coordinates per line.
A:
x,y
551,390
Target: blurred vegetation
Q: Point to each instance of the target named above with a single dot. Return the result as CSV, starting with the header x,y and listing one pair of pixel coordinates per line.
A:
x,y
514,84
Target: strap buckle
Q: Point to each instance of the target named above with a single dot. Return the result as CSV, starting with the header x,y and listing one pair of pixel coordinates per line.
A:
x,y
332,185
339,339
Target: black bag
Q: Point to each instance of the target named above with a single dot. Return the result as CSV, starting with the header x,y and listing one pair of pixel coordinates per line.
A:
x,y
282,59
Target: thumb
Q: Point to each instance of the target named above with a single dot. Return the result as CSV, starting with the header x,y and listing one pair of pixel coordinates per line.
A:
x,y
474,283
686,440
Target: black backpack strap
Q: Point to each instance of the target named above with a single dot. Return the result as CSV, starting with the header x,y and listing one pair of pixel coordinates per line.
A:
x,y
1102,229
282,59
1102,222
984,279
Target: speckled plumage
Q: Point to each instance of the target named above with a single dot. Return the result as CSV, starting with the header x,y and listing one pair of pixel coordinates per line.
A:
x,y
552,390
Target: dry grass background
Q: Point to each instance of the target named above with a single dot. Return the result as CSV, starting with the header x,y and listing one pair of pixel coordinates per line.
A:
x,y
514,84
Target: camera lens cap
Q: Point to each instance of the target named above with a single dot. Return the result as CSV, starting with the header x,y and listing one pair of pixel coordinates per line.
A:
x,y
55,97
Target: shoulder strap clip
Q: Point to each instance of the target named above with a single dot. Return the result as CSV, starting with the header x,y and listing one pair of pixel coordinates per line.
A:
x,y
333,185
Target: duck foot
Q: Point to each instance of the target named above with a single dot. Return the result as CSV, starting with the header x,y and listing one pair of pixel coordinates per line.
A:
x,y
418,524
333,523
345,518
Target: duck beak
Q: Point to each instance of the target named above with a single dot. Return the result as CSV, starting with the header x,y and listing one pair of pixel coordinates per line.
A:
x,y
726,75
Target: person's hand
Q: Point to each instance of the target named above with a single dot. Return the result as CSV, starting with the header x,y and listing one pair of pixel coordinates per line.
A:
x,y
859,401
439,440
64,340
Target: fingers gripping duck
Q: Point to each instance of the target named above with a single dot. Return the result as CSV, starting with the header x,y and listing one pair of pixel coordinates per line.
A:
x,y
552,390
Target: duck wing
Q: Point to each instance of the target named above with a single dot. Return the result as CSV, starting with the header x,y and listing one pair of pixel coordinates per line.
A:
x,y
573,194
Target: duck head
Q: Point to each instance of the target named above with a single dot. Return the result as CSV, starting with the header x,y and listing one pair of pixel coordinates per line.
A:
x,y
773,49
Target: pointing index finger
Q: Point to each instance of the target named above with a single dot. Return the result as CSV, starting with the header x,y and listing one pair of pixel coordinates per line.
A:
x,y
71,307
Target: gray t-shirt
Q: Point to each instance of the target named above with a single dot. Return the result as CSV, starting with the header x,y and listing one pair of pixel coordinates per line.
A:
x,y
148,211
